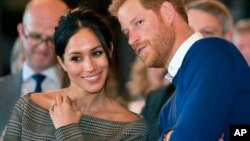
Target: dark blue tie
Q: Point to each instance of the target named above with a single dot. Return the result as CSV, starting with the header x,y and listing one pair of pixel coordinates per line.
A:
x,y
39,79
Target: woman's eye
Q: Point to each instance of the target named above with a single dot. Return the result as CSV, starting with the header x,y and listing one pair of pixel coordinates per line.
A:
x,y
97,53
76,59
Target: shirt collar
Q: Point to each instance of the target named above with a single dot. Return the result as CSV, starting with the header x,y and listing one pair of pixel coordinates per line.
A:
x,y
50,73
176,61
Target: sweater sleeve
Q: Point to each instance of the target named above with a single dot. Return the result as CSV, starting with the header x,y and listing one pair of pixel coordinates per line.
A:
x,y
136,131
14,128
209,84
70,132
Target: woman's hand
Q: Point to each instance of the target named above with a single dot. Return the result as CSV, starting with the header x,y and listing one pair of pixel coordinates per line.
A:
x,y
222,138
167,135
64,112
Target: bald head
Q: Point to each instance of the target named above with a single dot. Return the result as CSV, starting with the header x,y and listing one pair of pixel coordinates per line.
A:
x,y
49,11
39,21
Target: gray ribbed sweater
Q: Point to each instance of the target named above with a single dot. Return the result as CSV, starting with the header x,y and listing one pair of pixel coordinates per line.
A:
x,y
30,122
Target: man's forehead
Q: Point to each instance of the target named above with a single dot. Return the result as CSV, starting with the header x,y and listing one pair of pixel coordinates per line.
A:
x,y
129,11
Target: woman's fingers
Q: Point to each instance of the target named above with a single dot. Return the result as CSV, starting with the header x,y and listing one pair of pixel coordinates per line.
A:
x,y
53,104
63,101
66,99
59,100
63,111
74,106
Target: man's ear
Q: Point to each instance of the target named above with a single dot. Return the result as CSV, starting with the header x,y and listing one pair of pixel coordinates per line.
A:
x,y
168,12
61,63
20,30
228,35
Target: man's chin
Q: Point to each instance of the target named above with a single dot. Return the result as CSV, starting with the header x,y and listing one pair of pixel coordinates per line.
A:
x,y
148,64
42,65
152,64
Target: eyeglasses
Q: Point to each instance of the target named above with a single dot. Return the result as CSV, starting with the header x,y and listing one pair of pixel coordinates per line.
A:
x,y
36,39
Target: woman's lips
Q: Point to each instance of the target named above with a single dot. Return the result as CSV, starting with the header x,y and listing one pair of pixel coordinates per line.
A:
x,y
92,78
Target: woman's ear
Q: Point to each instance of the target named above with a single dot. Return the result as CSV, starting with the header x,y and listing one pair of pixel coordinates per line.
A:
x,y
168,12
61,63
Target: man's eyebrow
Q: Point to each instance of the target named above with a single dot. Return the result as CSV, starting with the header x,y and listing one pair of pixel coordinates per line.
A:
x,y
124,30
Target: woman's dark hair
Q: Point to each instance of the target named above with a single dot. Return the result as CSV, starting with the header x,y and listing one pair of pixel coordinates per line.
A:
x,y
80,18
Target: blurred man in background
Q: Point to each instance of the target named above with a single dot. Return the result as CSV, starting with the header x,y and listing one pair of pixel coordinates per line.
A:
x,y
241,38
40,70
210,18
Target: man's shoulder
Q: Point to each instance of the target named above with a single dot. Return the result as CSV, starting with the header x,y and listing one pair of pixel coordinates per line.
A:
x,y
212,47
10,77
213,42
10,82
6,79
164,91
216,39
161,95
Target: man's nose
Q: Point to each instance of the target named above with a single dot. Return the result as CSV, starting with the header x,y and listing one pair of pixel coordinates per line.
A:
x,y
133,38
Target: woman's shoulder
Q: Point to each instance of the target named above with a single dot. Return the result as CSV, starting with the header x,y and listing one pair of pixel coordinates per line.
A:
x,y
121,113
133,122
44,100
22,101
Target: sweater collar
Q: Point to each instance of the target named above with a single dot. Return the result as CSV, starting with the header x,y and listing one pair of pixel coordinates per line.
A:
x,y
176,61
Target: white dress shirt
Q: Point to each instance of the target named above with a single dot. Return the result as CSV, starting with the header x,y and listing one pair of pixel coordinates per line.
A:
x,y
176,61
51,82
